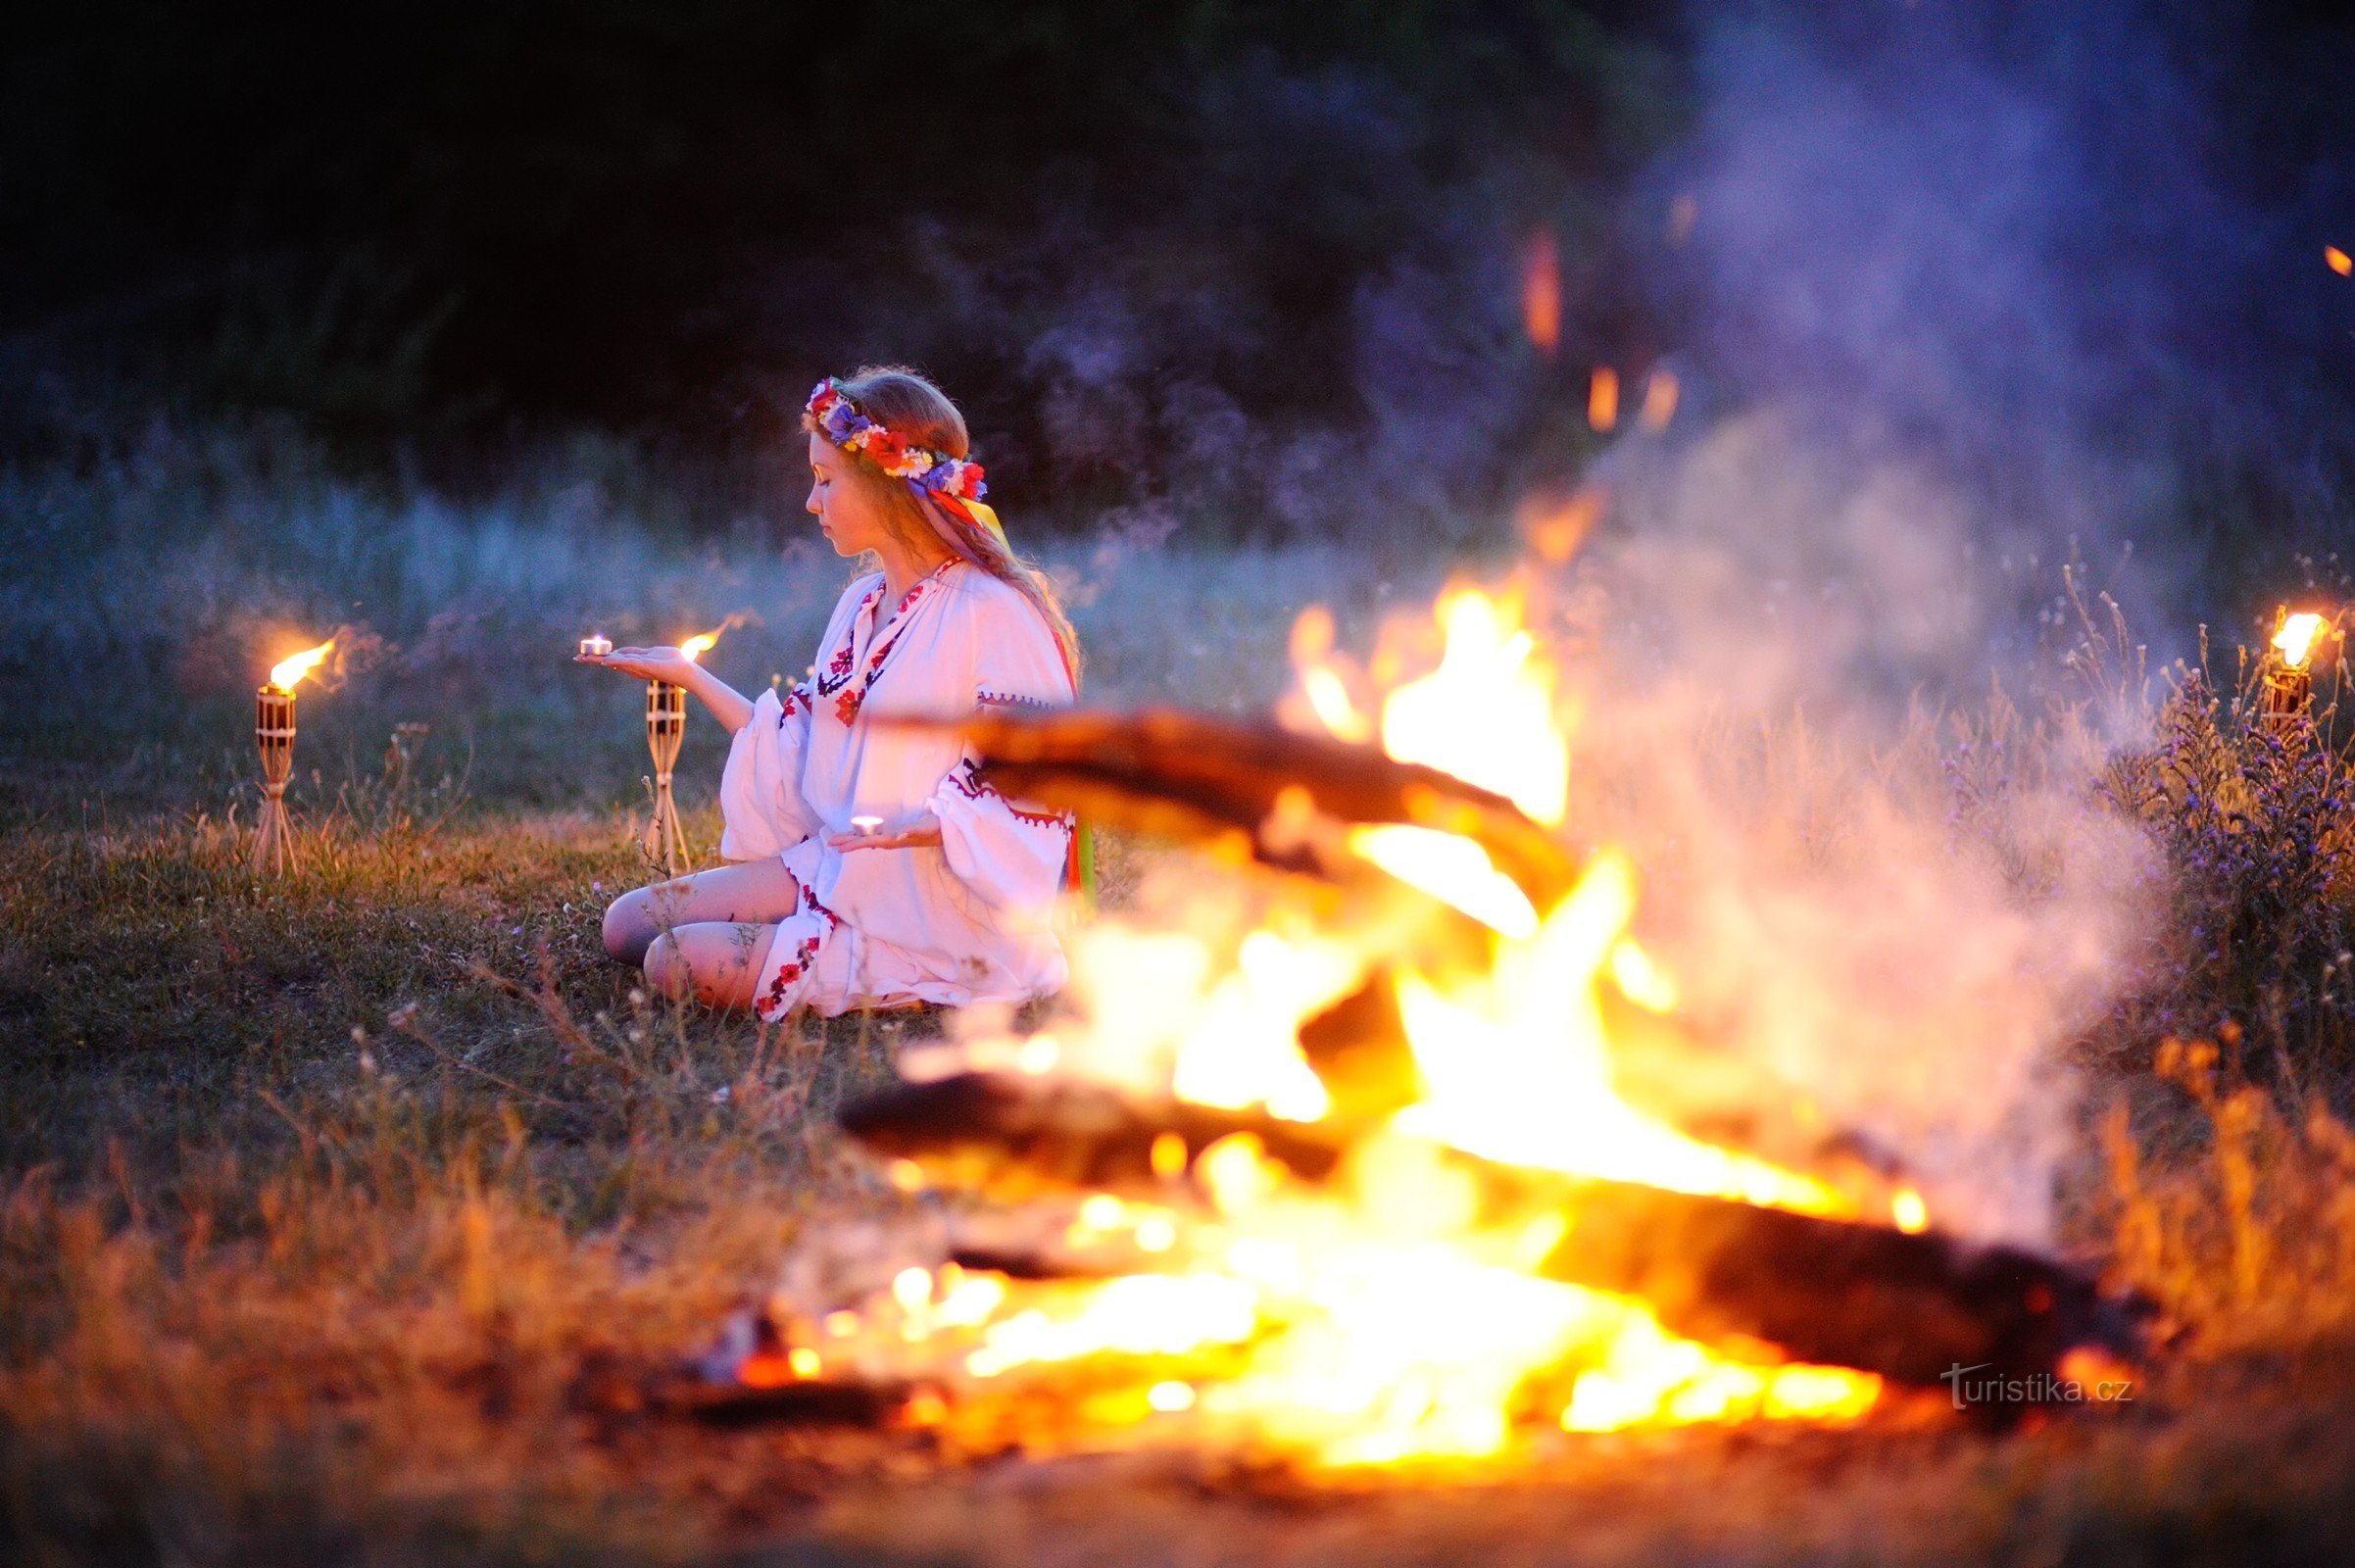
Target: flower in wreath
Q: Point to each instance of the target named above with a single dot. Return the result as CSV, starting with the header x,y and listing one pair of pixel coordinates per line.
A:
x,y
955,476
842,423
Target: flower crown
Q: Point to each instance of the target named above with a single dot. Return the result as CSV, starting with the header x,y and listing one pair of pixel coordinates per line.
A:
x,y
832,413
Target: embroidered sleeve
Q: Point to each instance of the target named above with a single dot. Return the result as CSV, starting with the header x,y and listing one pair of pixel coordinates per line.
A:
x,y
1010,852
760,791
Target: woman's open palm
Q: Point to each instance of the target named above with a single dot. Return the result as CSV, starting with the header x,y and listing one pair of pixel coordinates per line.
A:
x,y
647,663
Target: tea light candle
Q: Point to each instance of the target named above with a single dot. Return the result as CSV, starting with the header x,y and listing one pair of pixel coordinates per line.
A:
x,y
596,646
867,826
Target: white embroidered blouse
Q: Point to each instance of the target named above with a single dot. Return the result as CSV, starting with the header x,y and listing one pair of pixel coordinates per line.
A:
x,y
962,921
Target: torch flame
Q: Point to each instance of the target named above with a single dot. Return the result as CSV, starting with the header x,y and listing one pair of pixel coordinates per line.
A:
x,y
286,672
2295,640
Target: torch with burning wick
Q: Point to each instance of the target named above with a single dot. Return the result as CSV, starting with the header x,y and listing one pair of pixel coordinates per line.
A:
x,y
665,728
274,734
2289,680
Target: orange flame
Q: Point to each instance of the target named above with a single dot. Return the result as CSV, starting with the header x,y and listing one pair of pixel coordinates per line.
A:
x,y
702,643
2296,638
1602,399
2338,261
286,672
1541,294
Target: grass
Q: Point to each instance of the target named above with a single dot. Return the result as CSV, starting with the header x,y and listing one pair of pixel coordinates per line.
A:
x,y
326,1206
327,1200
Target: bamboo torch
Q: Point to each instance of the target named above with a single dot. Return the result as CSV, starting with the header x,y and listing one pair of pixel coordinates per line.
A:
x,y
274,735
2288,679
666,843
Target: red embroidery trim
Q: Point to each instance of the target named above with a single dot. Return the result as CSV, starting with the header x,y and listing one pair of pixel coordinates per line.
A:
x,y
791,970
966,780
847,706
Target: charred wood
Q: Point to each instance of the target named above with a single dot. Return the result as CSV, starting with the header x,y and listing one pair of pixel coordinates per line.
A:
x,y
1910,1307
1058,1132
1197,779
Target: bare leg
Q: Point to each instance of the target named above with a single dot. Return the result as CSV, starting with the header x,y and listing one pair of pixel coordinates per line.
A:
x,y
761,892
714,962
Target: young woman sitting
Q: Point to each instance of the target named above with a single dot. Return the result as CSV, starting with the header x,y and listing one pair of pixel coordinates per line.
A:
x,y
872,868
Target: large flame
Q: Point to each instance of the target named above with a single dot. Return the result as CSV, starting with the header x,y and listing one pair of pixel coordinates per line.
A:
x,y
286,672
1393,1311
2295,640
1486,715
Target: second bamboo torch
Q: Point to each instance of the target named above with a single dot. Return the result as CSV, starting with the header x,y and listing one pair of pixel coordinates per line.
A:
x,y
666,843
2289,681
274,736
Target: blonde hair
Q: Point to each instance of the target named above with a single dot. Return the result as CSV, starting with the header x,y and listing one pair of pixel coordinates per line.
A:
x,y
921,415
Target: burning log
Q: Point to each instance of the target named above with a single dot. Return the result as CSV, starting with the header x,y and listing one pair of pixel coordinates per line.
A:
x,y
1909,1306
1007,1129
1201,779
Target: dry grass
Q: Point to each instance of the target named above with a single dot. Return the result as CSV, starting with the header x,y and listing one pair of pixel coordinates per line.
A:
x,y
325,1202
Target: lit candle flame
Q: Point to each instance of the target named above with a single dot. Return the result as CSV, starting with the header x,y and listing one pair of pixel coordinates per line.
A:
x,y
286,672
2338,261
702,643
2295,639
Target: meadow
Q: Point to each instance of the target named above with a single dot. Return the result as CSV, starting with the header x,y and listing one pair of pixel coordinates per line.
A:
x,y
329,1206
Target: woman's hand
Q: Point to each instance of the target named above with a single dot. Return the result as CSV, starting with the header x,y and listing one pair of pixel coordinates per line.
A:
x,y
647,663
923,833
730,706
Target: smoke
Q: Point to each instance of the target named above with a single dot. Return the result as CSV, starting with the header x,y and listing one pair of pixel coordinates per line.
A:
x,y
1952,292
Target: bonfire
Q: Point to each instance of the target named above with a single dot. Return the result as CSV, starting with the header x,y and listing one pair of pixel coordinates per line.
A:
x,y
1335,1167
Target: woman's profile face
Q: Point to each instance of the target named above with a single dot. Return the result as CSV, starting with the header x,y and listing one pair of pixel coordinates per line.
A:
x,y
845,508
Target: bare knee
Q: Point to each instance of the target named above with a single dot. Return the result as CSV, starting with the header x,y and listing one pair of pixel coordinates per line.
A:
x,y
630,926
667,970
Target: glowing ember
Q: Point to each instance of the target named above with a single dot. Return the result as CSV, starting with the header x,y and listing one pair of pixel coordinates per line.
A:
x,y
1541,294
286,672
2295,640
1602,399
2338,261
